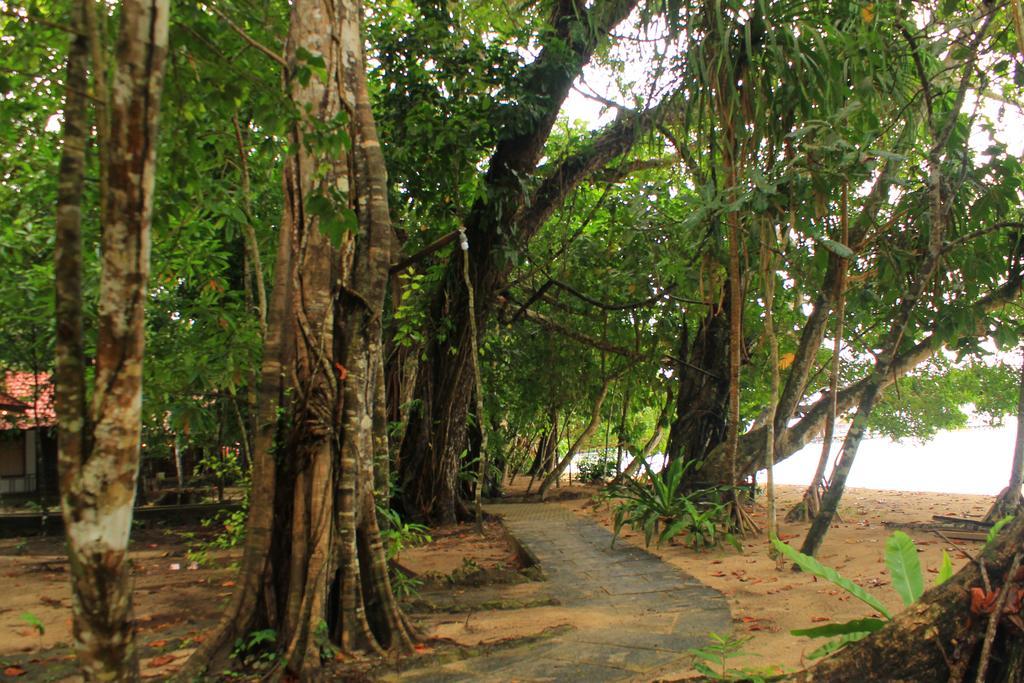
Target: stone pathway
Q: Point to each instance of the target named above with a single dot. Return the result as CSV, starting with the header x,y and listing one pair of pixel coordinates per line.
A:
x,y
655,612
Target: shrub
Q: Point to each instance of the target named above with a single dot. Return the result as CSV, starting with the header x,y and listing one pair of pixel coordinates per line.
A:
x,y
596,468
656,503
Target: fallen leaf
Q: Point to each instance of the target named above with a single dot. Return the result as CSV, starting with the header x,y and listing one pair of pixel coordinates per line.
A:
x,y
157,643
14,671
227,584
161,660
982,602
820,619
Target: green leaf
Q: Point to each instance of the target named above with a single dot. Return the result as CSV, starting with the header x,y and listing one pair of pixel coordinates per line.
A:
x,y
945,571
33,621
866,625
841,642
904,566
332,229
996,528
812,566
837,248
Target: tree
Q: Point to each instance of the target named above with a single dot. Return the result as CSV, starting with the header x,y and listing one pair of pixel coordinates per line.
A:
x,y
313,567
1010,499
508,212
99,438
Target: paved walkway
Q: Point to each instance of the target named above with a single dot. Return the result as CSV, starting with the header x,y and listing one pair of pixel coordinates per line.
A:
x,y
658,611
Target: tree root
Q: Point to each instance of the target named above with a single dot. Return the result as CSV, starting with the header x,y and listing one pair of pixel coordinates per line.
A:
x,y
1008,502
740,519
808,507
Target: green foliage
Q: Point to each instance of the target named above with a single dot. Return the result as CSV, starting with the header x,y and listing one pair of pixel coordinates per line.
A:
x,y
230,533
257,650
812,566
403,585
398,535
712,660
945,570
904,567
996,528
322,639
908,580
658,503
33,621
596,468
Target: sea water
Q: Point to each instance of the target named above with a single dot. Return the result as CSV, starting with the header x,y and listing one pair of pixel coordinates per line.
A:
x,y
975,460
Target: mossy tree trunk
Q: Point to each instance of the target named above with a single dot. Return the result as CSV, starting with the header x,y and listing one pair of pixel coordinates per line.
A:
x,y
314,568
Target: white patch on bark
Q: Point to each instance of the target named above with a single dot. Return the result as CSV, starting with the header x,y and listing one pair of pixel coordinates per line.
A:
x,y
102,530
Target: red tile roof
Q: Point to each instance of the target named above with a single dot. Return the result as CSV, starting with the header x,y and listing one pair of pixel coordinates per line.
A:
x,y
8,402
35,393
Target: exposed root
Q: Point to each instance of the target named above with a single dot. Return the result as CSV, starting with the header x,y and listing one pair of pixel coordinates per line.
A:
x,y
808,507
740,519
1008,502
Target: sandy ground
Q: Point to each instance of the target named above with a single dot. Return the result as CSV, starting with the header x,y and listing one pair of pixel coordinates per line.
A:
x,y
176,602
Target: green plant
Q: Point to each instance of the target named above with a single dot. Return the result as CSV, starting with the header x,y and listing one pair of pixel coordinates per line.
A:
x,y
596,468
996,528
322,640
257,649
33,621
658,503
404,585
712,660
398,535
230,525
907,579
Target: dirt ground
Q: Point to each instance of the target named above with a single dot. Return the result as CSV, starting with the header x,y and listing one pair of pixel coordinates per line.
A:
x,y
473,592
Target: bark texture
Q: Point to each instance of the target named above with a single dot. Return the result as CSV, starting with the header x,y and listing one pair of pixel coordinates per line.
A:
x,y
314,567
99,443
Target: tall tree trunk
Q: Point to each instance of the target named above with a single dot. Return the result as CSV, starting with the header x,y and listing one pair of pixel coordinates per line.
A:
x,y
938,217
768,261
702,395
98,445
545,450
809,506
314,565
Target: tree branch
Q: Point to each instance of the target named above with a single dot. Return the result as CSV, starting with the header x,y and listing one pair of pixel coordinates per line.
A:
x,y
439,243
247,38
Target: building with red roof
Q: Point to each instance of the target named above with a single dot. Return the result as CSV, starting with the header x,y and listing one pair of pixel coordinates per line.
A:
x,y
28,445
